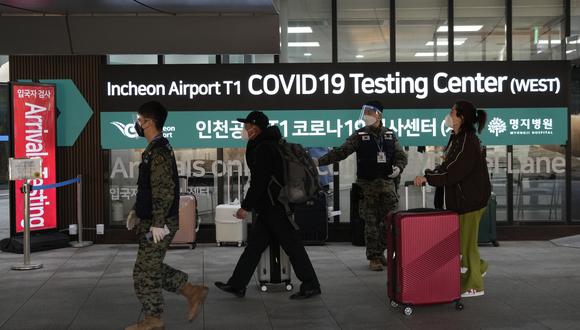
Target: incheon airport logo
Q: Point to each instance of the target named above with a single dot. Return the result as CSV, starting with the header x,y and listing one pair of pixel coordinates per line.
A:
x,y
126,129
497,126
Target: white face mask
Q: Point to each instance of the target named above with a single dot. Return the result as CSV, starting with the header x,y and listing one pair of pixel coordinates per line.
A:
x,y
448,121
369,120
245,135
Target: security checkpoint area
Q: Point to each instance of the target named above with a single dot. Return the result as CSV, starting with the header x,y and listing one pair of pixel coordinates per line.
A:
x,y
73,145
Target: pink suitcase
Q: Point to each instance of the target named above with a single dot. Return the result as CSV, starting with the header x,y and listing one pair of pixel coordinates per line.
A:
x,y
188,224
423,257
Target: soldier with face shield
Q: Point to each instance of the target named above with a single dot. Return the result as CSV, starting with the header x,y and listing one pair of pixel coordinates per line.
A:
x,y
380,161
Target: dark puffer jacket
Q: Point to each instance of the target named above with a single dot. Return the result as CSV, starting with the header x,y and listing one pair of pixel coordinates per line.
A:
x,y
264,161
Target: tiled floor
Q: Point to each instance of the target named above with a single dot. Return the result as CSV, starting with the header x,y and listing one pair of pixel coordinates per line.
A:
x,y
530,285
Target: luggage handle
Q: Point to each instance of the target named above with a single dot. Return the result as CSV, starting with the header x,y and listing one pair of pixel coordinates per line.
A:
x,y
228,178
412,183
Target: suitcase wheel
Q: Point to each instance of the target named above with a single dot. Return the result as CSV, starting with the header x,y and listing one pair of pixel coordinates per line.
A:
x,y
408,310
394,304
458,305
219,243
289,287
495,243
264,288
193,246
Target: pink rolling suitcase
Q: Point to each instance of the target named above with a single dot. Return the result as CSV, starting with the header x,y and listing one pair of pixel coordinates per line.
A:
x,y
188,222
423,257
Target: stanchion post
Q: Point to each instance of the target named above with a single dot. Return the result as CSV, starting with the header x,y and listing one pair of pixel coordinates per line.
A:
x,y
80,243
26,235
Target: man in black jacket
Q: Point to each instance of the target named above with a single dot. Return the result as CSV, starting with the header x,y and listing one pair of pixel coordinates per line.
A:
x,y
271,220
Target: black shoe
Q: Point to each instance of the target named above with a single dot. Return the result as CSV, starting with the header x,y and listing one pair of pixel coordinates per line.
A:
x,y
306,294
240,293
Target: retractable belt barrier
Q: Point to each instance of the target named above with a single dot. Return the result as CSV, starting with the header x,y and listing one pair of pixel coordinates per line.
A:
x,y
26,189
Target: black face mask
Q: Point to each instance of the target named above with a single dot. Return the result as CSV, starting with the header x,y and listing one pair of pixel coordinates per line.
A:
x,y
139,129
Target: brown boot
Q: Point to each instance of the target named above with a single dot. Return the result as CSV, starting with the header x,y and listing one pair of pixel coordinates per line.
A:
x,y
383,261
195,295
148,323
375,265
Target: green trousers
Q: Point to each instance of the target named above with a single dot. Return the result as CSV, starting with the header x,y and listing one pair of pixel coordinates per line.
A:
x,y
471,261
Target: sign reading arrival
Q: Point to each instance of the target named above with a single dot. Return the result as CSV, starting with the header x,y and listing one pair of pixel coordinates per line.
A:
x,y
336,86
34,127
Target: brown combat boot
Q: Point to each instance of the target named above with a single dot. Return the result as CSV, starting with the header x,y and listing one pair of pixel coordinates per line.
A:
x,y
195,295
148,323
383,261
375,265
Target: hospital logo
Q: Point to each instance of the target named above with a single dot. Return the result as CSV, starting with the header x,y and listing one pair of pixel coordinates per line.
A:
x,y
126,129
496,126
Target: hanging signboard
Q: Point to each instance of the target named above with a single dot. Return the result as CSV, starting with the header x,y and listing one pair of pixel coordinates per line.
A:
x,y
318,104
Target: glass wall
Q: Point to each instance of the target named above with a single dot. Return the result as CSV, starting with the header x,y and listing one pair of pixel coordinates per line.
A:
x,y
4,69
479,30
4,155
306,27
539,183
573,45
189,59
575,124
132,59
198,165
538,29
421,30
363,31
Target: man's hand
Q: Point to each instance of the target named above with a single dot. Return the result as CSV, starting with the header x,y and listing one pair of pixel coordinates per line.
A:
x,y
241,214
158,234
396,172
132,220
420,180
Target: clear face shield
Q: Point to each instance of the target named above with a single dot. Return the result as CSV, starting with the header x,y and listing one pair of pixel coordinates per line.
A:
x,y
369,111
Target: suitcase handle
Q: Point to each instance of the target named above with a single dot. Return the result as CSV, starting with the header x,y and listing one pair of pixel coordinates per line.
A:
x,y
412,183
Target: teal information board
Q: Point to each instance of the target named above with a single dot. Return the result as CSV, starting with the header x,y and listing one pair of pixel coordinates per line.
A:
x,y
320,128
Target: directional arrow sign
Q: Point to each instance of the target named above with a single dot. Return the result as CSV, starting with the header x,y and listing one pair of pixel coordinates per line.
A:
x,y
75,112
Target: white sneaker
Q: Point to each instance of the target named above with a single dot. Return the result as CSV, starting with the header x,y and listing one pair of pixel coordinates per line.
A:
x,y
484,273
464,270
472,293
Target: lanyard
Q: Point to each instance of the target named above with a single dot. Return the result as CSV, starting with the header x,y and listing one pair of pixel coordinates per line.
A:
x,y
380,145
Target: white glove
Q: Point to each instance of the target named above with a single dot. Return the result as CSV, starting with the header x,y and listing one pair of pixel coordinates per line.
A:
x,y
396,172
315,160
158,233
132,220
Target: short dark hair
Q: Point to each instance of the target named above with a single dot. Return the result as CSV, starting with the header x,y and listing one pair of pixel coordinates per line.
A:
x,y
155,111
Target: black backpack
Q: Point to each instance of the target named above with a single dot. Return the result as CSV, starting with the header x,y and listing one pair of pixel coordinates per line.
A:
x,y
300,175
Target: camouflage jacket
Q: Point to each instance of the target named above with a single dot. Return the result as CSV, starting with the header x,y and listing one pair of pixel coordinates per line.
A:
x,y
352,143
158,185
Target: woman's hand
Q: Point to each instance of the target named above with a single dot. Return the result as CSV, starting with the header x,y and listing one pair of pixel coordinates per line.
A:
x,y
420,180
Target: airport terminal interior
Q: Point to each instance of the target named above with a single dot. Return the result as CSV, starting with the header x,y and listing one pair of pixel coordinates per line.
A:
x,y
427,54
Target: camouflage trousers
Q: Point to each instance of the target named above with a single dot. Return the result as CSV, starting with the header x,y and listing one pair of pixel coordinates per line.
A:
x,y
378,197
151,275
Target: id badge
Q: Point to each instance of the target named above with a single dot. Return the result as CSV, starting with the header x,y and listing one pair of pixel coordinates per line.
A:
x,y
381,157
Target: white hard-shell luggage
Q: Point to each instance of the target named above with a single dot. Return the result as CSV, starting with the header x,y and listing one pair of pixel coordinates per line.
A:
x,y
228,228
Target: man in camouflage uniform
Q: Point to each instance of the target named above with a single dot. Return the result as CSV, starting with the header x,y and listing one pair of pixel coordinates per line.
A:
x,y
156,219
380,161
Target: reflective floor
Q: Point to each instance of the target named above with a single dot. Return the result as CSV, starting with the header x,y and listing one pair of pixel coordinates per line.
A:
x,y
529,285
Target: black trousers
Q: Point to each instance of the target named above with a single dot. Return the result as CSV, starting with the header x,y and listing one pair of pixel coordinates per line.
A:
x,y
273,225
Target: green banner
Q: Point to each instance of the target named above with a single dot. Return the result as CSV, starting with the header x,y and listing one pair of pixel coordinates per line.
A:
x,y
316,128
